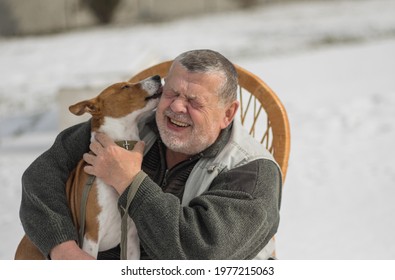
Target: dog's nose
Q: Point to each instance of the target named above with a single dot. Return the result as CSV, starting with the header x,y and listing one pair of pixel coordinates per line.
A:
x,y
156,78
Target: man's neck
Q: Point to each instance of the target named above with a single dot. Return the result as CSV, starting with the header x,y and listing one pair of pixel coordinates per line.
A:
x,y
173,158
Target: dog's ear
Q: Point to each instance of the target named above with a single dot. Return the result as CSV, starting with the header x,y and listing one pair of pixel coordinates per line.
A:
x,y
87,106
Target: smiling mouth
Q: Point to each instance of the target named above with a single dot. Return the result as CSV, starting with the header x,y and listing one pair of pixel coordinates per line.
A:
x,y
178,123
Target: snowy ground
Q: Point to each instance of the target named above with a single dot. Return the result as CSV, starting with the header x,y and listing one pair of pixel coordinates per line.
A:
x,y
332,63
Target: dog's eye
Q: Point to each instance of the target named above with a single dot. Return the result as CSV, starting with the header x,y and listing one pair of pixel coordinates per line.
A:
x,y
125,87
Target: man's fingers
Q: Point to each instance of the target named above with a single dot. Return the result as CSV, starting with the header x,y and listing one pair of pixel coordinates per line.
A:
x,y
89,158
139,147
89,169
95,147
104,140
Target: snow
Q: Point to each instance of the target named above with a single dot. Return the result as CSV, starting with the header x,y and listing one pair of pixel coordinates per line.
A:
x,y
332,63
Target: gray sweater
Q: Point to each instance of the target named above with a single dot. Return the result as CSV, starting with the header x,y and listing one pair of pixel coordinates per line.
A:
x,y
234,219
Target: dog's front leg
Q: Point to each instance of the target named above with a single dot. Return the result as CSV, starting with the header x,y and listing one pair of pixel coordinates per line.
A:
x,y
90,246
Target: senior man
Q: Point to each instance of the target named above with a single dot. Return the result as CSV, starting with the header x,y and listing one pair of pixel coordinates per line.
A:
x,y
200,187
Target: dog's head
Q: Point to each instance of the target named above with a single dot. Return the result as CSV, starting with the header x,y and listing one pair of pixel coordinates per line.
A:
x,y
121,102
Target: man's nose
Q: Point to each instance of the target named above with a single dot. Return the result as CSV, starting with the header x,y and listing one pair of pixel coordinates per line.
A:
x,y
179,106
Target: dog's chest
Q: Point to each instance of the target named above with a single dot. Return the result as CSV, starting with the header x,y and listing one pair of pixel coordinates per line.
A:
x,y
121,128
109,217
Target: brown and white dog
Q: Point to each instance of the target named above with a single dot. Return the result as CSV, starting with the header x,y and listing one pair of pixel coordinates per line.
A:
x,y
115,112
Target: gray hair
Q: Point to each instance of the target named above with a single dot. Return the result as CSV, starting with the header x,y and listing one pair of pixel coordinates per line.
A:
x,y
206,61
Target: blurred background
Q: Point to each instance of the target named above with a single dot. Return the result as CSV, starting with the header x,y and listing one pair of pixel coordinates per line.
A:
x,y
331,62
19,17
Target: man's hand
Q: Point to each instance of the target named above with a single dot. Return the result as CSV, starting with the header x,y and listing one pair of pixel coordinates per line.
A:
x,y
112,164
69,250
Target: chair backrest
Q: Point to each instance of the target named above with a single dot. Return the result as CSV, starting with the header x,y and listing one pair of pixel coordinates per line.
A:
x,y
269,126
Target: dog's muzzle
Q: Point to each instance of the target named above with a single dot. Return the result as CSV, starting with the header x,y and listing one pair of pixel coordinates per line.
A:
x,y
155,95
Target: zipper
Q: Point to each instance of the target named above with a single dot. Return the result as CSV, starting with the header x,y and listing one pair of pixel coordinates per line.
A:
x,y
164,180
168,172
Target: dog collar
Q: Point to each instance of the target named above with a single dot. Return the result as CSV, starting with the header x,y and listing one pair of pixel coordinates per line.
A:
x,y
126,144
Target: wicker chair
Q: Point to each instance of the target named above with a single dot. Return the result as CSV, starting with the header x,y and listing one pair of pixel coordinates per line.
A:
x,y
269,126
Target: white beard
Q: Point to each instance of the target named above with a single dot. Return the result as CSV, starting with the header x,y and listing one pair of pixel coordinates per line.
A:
x,y
197,141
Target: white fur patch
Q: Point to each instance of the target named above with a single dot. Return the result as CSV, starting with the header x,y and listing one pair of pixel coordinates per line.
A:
x,y
91,247
124,128
110,223
149,86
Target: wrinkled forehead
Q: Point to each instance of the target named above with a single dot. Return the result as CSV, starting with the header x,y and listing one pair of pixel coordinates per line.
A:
x,y
183,81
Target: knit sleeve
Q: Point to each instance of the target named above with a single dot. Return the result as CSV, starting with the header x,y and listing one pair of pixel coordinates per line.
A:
x,y
44,210
234,219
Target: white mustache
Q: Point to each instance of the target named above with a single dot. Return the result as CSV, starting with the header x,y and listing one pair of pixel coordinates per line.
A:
x,y
178,117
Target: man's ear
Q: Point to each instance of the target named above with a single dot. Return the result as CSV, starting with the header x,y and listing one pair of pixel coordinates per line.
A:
x,y
87,106
230,113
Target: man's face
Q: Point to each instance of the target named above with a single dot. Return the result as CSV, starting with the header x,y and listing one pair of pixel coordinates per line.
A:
x,y
189,115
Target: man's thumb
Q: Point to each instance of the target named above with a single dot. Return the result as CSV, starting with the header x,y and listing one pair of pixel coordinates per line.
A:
x,y
139,147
